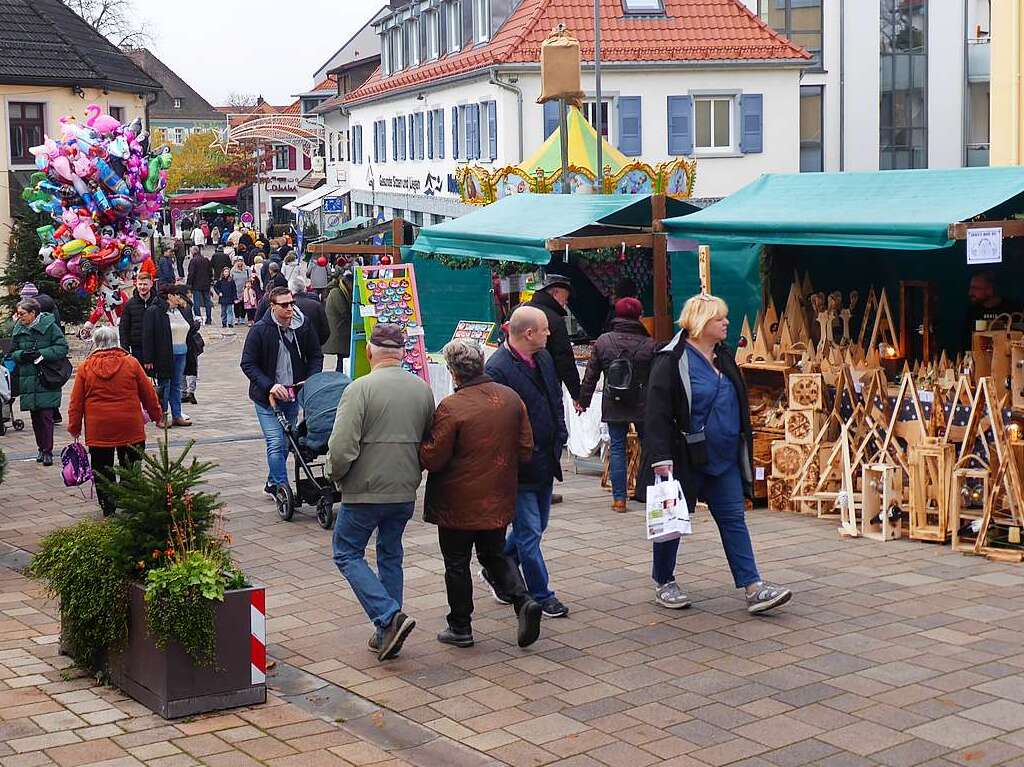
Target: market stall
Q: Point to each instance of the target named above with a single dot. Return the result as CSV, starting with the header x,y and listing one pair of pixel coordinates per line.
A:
x,y
876,397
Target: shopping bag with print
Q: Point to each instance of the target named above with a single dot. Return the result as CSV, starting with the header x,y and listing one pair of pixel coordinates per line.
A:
x,y
668,516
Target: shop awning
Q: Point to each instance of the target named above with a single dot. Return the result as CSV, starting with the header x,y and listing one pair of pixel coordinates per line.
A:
x,y
314,199
218,207
517,228
201,196
893,210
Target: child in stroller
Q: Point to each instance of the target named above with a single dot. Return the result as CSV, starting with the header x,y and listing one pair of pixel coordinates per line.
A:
x,y
318,399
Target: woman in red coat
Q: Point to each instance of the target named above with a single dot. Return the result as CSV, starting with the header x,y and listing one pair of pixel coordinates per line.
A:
x,y
111,390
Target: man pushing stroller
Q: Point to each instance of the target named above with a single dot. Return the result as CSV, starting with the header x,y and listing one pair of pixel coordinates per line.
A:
x,y
281,350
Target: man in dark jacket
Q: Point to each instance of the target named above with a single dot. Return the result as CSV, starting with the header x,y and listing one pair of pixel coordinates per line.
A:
x,y
219,261
629,342
130,327
165,268
552,300
307,303
523,364
199,280
281,350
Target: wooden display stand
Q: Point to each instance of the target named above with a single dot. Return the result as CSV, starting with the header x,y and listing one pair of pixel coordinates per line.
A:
x,y
387,294
969,496
883,490
931,477
1017,375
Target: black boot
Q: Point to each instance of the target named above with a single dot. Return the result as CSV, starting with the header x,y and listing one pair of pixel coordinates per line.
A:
x,y
39,457
47,459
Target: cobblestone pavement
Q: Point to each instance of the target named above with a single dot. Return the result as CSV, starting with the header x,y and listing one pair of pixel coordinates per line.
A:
x,y
894,654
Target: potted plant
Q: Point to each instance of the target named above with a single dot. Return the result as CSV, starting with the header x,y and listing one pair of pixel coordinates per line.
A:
x,y
150,597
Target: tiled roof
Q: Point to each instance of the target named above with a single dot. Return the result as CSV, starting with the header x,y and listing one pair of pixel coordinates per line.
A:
x,y
193,106
690,30
44,41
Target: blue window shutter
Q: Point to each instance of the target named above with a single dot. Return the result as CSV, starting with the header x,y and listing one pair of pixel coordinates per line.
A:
x,y
492,130
440,134
630,127
550,117
680,125
455,133
752,123
430,135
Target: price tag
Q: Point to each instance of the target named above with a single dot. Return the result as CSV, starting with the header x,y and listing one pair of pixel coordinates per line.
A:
x,y
369,310
759,473
414,331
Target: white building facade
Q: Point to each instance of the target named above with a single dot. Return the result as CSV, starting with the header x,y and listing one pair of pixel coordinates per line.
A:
x,y
895,83
428,112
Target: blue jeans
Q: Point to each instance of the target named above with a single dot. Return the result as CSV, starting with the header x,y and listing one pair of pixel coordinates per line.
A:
x,y
227,315
724,496
200,299
170,388
277,443
533,507
379,593
617,462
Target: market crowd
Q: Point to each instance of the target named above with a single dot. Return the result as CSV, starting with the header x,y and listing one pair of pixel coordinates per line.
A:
x,y
491,451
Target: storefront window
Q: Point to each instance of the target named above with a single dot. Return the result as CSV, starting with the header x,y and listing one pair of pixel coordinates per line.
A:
x,y
799,20
811,129
903,100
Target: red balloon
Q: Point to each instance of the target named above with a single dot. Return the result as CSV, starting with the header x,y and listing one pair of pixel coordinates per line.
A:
x,y
385,260
322,261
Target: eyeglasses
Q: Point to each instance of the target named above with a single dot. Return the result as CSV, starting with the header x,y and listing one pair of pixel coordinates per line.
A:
x,y
284,304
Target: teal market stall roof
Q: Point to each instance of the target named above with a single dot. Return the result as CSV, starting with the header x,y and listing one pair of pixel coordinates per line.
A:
x,y
893,209
517,228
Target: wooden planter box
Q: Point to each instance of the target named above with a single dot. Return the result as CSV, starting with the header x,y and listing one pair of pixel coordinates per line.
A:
x,y
167,681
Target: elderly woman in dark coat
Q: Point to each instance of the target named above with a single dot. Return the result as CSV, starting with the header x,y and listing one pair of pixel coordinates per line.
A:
x,y
37,339
698,430
479,436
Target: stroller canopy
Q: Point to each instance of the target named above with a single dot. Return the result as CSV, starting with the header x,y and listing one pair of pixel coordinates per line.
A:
x,y
319,400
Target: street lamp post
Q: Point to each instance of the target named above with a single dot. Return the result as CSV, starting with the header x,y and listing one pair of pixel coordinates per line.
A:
x,y
598,107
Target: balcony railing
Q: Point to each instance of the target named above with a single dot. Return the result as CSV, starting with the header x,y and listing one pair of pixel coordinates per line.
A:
x,y
979,60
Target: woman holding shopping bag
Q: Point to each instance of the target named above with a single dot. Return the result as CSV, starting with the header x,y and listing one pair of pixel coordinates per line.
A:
x,y
698,431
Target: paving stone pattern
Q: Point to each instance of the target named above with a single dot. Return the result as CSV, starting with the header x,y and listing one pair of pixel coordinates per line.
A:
x,y
892,654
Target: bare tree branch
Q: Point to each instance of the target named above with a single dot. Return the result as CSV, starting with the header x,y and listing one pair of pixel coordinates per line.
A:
x,y
116,20
242,100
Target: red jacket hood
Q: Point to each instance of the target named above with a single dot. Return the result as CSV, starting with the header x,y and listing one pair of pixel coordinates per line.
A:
x,y
107,363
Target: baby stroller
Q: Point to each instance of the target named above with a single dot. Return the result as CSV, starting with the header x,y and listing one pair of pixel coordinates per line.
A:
x,y
318,399
7,402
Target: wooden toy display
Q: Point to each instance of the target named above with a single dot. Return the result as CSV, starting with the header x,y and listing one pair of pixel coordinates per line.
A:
x,y
387,294
929,452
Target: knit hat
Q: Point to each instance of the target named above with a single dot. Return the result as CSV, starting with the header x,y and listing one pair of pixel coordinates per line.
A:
x,y
29,290
628,308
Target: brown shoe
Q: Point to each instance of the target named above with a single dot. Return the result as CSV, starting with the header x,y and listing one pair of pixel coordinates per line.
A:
x,y
182,421
619,506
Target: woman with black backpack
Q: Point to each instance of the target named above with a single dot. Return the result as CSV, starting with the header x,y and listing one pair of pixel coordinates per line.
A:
x,y
624,356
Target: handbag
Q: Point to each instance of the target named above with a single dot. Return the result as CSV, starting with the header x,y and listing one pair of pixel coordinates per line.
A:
x,y
75,468
53,374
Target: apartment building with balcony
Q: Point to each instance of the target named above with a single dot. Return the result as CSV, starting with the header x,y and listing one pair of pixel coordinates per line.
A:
x,y
895,83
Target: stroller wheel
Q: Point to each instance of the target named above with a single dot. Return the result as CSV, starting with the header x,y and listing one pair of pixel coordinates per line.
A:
x,y
285,502
18,424
325,513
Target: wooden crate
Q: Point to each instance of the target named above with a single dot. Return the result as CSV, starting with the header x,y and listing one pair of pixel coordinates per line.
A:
x,y
802,426
763,439
787,458
806,391
883,493
931,478
964,508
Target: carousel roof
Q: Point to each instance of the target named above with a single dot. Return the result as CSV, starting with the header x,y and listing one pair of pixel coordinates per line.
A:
x,y
582,149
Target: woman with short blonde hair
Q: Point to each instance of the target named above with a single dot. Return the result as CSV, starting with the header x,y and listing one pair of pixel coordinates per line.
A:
x,y
698,430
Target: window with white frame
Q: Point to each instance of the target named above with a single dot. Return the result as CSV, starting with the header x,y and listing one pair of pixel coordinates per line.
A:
x,y
396,54
433,47
482,20
177,103
342,142
413,38
713,123
385,54
590,113
643,7
454,22
179,135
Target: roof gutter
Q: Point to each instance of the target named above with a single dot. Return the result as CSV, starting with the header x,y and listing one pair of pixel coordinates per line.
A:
x,y
519,105
417,87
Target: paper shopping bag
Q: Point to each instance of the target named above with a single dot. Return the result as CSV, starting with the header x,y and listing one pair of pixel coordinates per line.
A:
x,y
668,516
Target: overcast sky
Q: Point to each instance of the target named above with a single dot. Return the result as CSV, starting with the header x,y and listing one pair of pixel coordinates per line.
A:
x,y
268,47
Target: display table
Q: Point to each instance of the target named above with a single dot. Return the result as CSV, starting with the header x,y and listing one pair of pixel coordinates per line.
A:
x,y
586,431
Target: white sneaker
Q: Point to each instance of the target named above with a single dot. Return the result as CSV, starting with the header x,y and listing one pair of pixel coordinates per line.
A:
x,y
671,596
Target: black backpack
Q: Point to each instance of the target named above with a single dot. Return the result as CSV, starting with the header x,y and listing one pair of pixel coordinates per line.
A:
x,y
620,382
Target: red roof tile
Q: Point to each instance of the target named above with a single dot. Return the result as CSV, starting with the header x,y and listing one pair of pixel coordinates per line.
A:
x,y
691,30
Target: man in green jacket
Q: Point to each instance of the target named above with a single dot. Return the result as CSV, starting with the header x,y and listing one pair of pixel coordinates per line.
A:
x,y
37,338
374,458
339,318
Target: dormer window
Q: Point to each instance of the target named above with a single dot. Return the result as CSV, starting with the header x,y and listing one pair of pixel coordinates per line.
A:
x,y
430,27
643,7
482,20
412,30
177,103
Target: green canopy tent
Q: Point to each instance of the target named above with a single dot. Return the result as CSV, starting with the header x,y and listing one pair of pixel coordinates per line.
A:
x,y
219,208
528,228
851,230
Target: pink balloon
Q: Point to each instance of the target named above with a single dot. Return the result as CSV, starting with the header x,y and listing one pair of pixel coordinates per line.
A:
x,y
57,269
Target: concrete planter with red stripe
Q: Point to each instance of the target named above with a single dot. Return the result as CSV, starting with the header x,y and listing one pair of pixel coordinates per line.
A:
x,y
171,685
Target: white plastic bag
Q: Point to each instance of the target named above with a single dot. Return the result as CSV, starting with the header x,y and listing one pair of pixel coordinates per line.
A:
x,y
668,516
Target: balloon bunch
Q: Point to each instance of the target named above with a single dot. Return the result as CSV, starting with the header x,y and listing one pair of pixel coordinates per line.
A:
x,y
103,187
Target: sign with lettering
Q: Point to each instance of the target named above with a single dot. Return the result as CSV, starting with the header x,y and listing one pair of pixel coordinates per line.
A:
x,y
401,183
334,204
985,246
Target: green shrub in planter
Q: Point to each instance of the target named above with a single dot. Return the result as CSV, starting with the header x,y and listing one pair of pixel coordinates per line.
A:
x,y
78,565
